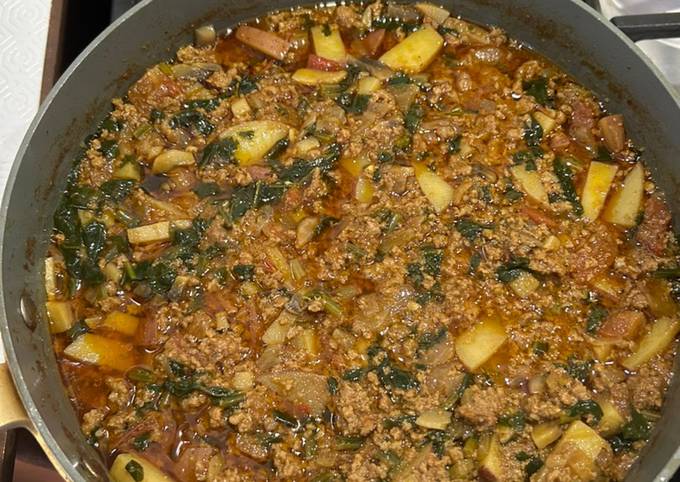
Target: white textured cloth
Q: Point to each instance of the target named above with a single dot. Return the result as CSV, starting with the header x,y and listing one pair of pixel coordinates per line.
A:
x,y
23,39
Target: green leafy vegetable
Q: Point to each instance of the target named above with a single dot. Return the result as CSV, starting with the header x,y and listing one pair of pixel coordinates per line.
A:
x,y
516,421
142,442
566,179
596,316
353,374
332,384
638,428
353,103
511,270
413,117
470,229
206,189
243,272
349,443
135,470
429,339
586,407
538,89
193,120
453,144
78,328
533,134
94,238
285,419
220,152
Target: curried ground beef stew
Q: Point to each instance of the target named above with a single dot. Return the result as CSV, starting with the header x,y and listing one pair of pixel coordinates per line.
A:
x,y
364,244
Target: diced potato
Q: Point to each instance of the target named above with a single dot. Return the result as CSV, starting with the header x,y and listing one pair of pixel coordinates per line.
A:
x,y
124,323
368,85
602,349
546,122
50,278
364,190
255,139
552,243
329,46
306,230
433,12
151,233
171,159
60,314
353,165
415,52
607,285
243,381
129,170
306,389
478,343
583,437
279,260
546,433
491,460
98,350
436,419
313,77
598,182
240,107
531,183
575,454
611,421
661,335
625,204
277,331
307,144
524,284
124,467
308,341
436,190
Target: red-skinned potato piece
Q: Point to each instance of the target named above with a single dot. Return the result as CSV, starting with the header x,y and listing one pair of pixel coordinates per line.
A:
x,y
622,325
373,40
319,63
653,231
266,42
613,132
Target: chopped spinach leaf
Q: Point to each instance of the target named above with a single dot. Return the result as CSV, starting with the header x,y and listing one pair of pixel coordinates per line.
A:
x,y
353,374
332,384
78,328
243,272
219,152
512,269
638,428
117,189
353,103
533,134
142,442
206,189
596,316
193,120
470,229
538,89
135,470
586,407
453,144
247,85
429,339
413,117
94,238
566,179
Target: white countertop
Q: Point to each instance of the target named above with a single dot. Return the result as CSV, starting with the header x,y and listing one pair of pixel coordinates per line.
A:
x,y
23,37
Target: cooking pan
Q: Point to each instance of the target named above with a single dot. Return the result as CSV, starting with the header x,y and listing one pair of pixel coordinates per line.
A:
x,y
568,32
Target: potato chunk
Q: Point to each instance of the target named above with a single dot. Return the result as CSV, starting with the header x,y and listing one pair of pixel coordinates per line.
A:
x,y
102,351
171,159
151,233
625,204
306,76
415,52
131,468
306,389
254,139
661,335
124,323
328,44
598,182
436,419
490,459
478,343
436,190
530,182
60,314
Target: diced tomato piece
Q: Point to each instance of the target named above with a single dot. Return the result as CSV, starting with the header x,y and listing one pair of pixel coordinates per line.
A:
x,y
623,325
319,63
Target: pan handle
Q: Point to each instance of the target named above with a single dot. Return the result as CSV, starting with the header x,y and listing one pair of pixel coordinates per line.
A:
x,y
649,26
